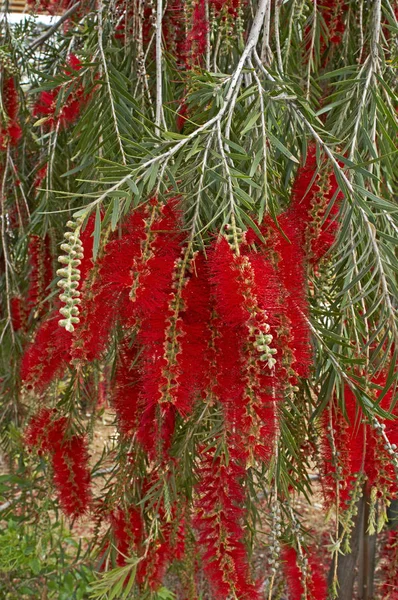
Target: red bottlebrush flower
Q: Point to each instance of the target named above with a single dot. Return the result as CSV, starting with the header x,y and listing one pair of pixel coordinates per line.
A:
x,y
10,98
18,315
72,476
333,12
349,437
291,267
128,531
40,176
15,133
46,105
174,31
126,389
45,432
107,296
315,580
311,196
48,355
197,36
247,296
12,131
219,515
41,274
194,336
73,62
292,573
389,567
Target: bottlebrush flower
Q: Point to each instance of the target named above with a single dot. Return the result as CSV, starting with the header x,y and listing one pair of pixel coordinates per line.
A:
x,y
344,442
292,269
174,31
246,301
314,579
48,355
72,476
219,516
73,98
41,273
107,295
194,336
389,567
40,176
197,36
18,316
11,131
126,387
45,432
311,196
127,528
333,12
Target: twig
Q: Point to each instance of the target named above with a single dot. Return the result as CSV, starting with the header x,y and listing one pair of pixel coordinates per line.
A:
x,y
5,251
45,36
159,97
108,83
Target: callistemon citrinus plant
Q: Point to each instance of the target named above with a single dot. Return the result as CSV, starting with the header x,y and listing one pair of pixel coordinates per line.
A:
x,y
199,228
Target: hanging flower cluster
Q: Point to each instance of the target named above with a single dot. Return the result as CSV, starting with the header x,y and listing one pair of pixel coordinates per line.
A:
x,y
10,129
61,106
355,451
46,433
227,329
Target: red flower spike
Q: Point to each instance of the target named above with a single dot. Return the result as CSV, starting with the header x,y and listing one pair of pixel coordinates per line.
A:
x,y
219,514
291,267
47,105
125,388
311,196
197,36
128,531
315,580
194,336
18,315
349,440
109,290
72,476
389,567
48,355
41,273
45,432
247,298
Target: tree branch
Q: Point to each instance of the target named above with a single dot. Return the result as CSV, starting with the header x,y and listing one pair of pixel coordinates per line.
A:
x,y
46,35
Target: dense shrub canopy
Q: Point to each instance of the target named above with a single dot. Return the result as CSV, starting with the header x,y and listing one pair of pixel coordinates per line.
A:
x,y
198,224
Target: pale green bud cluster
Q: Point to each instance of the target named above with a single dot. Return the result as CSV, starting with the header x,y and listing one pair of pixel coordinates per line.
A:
x,y
70,275
262,344
7,64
